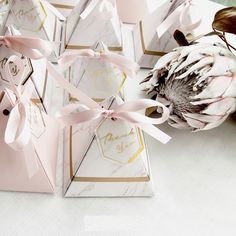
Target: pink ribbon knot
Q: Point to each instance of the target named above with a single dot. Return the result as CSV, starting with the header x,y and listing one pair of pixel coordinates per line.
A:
x,y
78,113
108,114
125,64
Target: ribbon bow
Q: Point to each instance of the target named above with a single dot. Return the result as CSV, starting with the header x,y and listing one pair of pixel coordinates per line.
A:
x,y
33,48
18,133
179,14
125,64
92,110
106,9
72,114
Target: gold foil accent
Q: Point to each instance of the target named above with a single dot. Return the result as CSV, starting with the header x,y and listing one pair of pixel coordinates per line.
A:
x,y
43,21
136,154
63,6
112,179
145,51
111,48
45,85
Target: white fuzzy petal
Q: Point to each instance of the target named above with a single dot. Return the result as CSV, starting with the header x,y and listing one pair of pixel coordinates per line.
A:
x,y
176,122
174,65
213,50
203,118
163,61
221,107
206,101
215,88
202,63
222,66
188,49
231,91
192,57
194,123
216,123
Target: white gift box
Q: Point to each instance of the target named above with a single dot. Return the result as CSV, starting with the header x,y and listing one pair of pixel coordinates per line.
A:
x,y
148,46
35,18
91,21
36,70
111,159
97,78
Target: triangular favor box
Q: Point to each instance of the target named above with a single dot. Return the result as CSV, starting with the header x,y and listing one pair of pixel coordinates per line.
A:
x,y
41,151
35,18
148,46
100,23
97,168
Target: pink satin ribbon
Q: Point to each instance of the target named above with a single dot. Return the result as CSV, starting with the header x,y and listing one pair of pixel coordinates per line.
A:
x,y
92,110
105,8
179,15
33,48
123,63
18,132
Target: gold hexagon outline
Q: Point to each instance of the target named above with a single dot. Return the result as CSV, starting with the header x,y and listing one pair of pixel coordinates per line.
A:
x,y
136,154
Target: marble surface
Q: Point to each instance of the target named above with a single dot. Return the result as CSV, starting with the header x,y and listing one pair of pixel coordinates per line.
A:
x,y
195,179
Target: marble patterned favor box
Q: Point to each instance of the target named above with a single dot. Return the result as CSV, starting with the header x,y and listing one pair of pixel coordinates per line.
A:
x,y
98,78
111,159
148,46
35,70
35,18
91,21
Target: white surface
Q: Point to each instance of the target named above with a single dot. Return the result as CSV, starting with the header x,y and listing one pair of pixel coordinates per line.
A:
x,y
195,179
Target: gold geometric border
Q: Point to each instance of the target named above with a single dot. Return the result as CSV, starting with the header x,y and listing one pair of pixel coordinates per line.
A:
x,y
43,21
136,154
99,179
62,6
145,51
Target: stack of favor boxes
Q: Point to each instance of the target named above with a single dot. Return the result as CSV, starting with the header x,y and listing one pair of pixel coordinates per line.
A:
x,y
78,45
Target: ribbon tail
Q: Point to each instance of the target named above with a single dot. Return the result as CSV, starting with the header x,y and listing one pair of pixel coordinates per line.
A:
x,y
126,65
82,97
33,48
155,132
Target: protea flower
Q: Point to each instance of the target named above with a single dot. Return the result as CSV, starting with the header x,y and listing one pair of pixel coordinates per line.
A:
x,y
197,83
